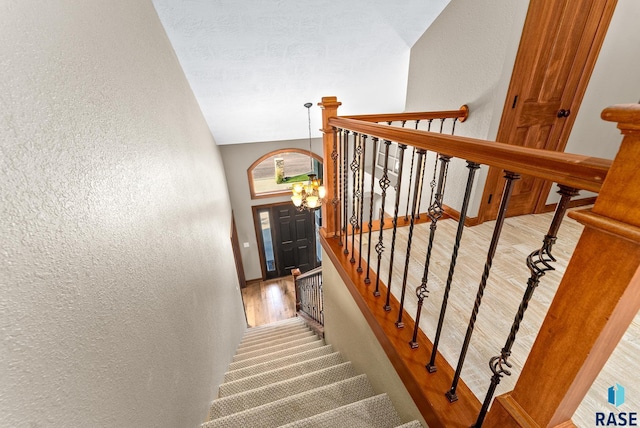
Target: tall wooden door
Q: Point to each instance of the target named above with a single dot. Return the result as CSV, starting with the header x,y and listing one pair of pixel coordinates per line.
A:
x,y
560,43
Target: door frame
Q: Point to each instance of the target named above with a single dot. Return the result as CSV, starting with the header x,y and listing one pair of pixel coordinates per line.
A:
x,y
492,193
237,254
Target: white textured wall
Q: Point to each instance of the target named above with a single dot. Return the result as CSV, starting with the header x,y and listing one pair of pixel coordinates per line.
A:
x,y
118,304
237,159
466,57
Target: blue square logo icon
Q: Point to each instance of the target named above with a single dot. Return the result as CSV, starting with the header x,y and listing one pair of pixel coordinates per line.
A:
x,y
616,395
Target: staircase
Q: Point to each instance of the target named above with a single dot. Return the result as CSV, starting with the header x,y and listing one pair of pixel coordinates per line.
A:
x,y
285,375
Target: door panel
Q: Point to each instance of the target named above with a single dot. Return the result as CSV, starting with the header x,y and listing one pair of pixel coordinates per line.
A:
x,y
295,238
291,238
559,45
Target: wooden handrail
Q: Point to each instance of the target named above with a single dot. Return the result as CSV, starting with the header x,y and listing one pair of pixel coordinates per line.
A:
x,y
597,299
307,274
461,114
581,172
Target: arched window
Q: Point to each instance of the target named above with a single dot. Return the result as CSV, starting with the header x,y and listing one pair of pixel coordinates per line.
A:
x,y
274,173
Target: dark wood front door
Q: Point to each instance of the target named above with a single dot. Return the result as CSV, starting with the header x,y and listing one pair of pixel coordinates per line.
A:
x,y
294,238
559,46
287,239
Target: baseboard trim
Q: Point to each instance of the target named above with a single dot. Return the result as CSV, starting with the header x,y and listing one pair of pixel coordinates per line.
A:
x,y
455,214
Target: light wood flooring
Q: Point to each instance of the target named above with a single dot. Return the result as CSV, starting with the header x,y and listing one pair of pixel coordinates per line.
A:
x,y
505,287
269,301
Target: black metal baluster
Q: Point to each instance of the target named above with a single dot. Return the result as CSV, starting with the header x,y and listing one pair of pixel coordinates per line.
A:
x,y
473,167
538,262
317,299
384,184
453,127
361,195
504,203
345,188
401,147
335,201
422,175
374,152
413,155
355,166
435,213
406,213
414,202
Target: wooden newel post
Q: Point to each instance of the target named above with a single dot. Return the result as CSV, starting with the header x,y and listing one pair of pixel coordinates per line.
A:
x,y
296,273
596,301
329,106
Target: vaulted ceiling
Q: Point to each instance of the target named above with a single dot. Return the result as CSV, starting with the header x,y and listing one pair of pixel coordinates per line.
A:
x,y
252,64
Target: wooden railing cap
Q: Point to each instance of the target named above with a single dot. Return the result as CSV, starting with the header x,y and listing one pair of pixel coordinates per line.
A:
x,y
328,102
627,116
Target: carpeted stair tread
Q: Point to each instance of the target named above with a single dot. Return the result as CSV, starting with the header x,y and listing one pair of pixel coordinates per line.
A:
x,y
276,334
249,335
373,412
275,348
277,375
256,346
412,424
275,355
298,406
277,363
274,325
256,397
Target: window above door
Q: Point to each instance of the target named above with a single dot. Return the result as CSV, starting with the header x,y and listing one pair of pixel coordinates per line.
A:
x,y
274,173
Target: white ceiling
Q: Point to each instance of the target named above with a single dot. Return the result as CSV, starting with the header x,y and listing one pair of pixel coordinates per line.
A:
x,y
252,64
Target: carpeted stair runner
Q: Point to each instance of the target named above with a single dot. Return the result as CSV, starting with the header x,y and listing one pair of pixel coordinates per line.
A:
x,y
284,375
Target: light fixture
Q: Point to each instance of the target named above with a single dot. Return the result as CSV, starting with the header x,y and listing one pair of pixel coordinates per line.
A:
x,y
310,194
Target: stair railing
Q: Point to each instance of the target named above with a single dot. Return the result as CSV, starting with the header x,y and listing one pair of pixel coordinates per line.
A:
x,y
309,300
612,224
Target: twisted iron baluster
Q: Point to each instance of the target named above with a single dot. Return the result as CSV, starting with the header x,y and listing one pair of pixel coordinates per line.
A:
x,y
414,207
453,127
321,300
341,185
413,155
361,195
539,263
472,166
335,201
402,147
435,213
384,184
355,166
345,188
422,175
374,152
502,212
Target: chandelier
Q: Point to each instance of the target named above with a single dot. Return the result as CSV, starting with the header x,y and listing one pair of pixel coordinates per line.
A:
x,y
308,195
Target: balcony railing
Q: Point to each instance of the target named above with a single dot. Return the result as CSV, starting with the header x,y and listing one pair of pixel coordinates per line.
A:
x,y
377,178
309,299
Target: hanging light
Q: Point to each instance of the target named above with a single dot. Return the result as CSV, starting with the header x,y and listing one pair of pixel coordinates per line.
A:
x,y
310,194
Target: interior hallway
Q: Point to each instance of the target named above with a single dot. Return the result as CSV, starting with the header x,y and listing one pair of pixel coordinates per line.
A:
x,y
269,301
